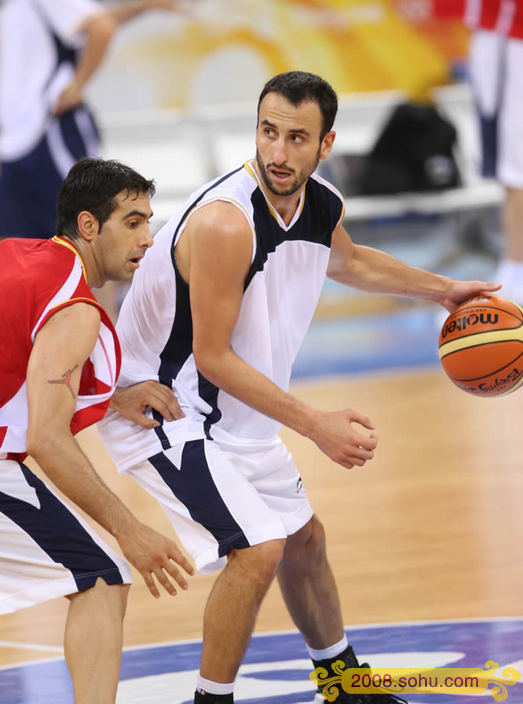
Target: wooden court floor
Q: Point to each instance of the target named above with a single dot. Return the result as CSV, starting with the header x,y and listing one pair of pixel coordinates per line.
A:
x,y
432,528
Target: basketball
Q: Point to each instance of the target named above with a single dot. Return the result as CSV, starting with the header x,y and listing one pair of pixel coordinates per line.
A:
x,y
481,346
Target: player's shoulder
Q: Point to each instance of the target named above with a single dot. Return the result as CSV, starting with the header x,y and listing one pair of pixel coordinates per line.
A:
x,y
321,185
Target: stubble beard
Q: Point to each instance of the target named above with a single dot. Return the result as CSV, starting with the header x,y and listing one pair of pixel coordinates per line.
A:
x,y
296,184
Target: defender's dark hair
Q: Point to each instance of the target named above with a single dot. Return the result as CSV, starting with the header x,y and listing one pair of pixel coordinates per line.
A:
x,y
93,184
299,86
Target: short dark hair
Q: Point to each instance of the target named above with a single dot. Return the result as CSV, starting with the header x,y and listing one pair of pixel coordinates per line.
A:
x,y
93,184
299,86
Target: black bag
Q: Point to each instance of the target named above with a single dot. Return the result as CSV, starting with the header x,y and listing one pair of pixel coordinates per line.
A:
x,y
414,152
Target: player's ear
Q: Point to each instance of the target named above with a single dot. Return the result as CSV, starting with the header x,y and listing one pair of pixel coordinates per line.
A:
x,y
87,225
326,144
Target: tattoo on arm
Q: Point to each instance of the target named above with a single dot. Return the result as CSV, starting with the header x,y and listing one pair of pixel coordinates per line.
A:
x,y
66,379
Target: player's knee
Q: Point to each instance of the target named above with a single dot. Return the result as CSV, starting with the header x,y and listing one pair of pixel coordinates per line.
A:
x,y
104,598
308,545
316,544
261,561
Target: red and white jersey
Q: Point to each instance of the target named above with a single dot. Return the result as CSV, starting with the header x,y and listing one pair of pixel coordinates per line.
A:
x,y
38,278
502,16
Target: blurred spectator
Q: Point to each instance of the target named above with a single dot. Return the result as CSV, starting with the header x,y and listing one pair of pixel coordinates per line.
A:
x,y
496,73
49,51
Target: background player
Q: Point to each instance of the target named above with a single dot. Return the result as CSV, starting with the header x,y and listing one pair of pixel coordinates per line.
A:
x,y
48,53
59,362
495,61
219,309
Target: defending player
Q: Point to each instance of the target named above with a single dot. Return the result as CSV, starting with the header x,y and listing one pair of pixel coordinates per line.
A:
x,y
59,363
219,310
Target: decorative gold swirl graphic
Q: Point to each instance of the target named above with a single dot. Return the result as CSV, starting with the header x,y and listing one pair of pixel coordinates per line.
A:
x,y
499,690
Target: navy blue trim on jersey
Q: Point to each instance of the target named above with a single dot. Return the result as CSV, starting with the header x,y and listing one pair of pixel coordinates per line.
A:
x,y
193,485
195,203
59,533
321,213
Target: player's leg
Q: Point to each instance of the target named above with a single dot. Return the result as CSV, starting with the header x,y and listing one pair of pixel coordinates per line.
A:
x,y
222,521
305,577
49,551
232,607
308,587
93,641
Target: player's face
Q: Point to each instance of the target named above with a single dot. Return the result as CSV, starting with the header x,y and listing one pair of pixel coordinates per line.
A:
x,y
125,237
288,145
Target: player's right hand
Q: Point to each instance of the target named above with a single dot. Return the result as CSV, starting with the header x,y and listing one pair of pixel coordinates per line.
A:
x,y
155,557
335,436
134,401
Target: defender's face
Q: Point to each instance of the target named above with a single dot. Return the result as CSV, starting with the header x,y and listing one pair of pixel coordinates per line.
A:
x,y
125,237
288,145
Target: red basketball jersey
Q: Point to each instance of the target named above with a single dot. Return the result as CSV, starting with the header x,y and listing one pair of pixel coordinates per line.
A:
x,y
38,278
503,16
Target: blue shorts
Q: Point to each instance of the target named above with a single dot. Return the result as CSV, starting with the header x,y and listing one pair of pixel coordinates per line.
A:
x,y
29,186
47,550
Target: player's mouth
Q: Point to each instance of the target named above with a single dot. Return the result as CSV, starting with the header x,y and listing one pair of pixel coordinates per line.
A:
x,y
135,261
280,175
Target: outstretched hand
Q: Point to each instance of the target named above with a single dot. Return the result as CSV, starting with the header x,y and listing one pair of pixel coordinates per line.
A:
x,y
335,436
134,401
460,291
155,557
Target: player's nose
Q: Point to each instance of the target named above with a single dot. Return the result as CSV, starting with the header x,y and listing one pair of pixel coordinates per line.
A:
x,y
279,155
146,239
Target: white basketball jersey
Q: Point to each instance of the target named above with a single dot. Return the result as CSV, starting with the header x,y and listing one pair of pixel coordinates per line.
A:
x,y
281,292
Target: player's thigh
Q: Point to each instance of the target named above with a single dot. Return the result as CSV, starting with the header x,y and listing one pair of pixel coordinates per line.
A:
x,y
47,549
272,473
210,501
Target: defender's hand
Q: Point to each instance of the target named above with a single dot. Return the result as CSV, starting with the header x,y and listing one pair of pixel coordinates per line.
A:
x,y
155,557
133,402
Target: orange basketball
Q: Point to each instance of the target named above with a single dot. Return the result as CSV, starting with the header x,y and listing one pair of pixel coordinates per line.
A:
x,y
481,346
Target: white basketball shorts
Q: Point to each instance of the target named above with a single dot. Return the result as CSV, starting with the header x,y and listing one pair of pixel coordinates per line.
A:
x,y
223,495
46,550
496,72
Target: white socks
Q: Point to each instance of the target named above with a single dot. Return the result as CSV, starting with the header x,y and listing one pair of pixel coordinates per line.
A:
x,y
330,652
214,687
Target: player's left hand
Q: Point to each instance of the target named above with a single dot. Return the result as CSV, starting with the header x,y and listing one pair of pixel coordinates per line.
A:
x,y
460,291
133,402
69,98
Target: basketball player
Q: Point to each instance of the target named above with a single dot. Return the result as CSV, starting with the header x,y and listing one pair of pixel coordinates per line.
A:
x,y
495,63
59,362
48,54
219,310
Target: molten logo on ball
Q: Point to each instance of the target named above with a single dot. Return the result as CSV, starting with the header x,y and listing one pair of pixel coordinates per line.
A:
x,y
468,321
481,346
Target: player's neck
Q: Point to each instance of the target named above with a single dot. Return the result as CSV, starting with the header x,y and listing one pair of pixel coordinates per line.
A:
x,y
93,273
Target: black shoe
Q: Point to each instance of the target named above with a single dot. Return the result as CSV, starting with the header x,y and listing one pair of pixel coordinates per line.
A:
x,y
350,660
345,698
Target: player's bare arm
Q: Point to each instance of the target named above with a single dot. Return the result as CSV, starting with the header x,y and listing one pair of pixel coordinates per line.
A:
x,y
378,272
213,255
50,442
98,32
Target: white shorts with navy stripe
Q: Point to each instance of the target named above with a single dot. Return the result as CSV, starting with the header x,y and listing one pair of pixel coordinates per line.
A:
x,y
223,495
497,83
46,549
